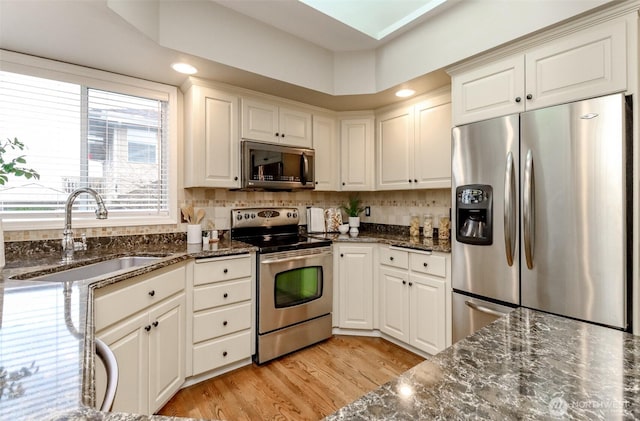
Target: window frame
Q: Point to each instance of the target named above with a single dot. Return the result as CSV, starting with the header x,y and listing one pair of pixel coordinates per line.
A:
x,y
100,79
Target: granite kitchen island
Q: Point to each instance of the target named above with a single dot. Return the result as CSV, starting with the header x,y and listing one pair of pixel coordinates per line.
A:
x,y
528,365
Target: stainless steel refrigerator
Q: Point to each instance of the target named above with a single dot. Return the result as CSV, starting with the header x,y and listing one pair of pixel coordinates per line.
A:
x,y
540,214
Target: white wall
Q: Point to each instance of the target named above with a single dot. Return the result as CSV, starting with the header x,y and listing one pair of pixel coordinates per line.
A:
x,y
467,29
354,72
470,27
214,32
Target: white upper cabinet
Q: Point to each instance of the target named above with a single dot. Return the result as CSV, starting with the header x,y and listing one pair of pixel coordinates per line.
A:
x,y
356,154
488,91
268,122
325,144
212,145
432,147
414,146
587,63
394,149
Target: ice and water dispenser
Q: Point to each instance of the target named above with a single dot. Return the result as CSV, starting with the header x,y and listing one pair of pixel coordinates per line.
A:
x,y
474,214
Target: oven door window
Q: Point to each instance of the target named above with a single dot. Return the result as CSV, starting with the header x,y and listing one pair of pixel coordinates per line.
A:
x,y
298,286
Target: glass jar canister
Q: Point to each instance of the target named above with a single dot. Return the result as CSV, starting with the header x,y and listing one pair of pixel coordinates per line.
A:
x,y
443,227
427,228
414,226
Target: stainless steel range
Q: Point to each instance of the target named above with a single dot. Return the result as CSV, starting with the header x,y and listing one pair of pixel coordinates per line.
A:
x,y
294,280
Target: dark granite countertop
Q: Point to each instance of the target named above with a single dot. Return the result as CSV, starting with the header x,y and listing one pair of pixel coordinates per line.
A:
x,y
392,239
525,366
46,333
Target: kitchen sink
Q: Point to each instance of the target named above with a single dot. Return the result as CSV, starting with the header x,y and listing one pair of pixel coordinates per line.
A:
x,y
106,267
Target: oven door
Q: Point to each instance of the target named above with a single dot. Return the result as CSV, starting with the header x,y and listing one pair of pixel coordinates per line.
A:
x,y
294,286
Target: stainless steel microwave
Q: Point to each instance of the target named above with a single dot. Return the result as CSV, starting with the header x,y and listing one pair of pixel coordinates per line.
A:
x,y
271,166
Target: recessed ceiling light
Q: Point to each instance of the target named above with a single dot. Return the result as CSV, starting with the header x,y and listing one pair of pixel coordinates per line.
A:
x,y
403,93
185,68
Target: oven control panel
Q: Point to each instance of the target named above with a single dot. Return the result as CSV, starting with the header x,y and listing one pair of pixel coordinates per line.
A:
x,y
264,217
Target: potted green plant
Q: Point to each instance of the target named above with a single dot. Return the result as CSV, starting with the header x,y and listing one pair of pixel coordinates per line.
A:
x,y
11,166
353,209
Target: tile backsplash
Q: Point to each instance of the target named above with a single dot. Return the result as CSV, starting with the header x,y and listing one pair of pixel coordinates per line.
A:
x,y
389,208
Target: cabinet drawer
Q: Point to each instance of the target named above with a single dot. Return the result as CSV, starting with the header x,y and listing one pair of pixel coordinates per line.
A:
x,y
222,293
426,263
117,301
215,323
394,257
218,353
205,272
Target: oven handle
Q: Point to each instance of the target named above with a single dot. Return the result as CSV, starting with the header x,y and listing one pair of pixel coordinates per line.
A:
x,y
288,259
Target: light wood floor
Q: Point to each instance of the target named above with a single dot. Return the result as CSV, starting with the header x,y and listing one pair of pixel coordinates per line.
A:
x,y
306,385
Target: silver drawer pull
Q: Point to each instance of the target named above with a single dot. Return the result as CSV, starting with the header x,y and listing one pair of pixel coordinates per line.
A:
x,y
484,309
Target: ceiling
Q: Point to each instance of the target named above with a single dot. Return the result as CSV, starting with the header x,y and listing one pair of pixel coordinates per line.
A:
x,y
89,33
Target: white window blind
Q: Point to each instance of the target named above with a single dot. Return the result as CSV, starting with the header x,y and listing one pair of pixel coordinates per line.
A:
x,y
79,136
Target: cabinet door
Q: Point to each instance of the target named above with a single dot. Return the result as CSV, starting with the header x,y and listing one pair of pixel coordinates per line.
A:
x,y
356,287
356,154
325,143
166,351
395,150
586,64
432,152
489,91
212,157
129,342
427,313
394,300
260,121
295,127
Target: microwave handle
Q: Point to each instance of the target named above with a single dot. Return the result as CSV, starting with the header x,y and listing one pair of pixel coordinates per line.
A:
x,y
304,169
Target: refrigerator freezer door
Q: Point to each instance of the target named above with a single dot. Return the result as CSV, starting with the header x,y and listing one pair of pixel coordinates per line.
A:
x,y
487,153
470,314
573,210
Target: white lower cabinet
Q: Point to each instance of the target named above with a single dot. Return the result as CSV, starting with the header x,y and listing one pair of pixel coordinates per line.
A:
x,y
222,312
353,264
427,311
142,320
394,303
413,298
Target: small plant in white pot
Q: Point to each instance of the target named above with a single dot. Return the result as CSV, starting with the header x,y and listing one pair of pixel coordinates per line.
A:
x,y
353,209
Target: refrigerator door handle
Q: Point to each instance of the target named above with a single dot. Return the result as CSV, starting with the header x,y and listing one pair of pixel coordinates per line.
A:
x,y
528,211
509,209
484,309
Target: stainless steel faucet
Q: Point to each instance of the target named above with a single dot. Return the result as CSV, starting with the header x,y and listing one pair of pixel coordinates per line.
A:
x,y
68,244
